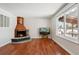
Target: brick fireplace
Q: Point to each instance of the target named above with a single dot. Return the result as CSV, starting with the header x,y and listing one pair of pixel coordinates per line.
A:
x,y
21,32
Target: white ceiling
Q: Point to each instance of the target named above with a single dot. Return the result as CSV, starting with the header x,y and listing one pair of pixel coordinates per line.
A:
x,y
31,9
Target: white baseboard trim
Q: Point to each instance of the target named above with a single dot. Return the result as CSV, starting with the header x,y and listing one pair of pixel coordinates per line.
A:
x,y
5,43
39,37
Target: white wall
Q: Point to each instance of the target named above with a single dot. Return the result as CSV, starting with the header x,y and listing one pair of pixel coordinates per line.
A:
x,y
6,33
71,47
35,24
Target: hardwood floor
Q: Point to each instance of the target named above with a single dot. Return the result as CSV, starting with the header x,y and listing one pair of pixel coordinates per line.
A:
x,y
34,47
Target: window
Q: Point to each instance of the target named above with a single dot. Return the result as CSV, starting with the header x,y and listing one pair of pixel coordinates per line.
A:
x,y
4,21
72,23
60,25
67,25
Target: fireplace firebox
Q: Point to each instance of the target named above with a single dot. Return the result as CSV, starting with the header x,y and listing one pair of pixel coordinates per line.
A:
x,y
20,33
